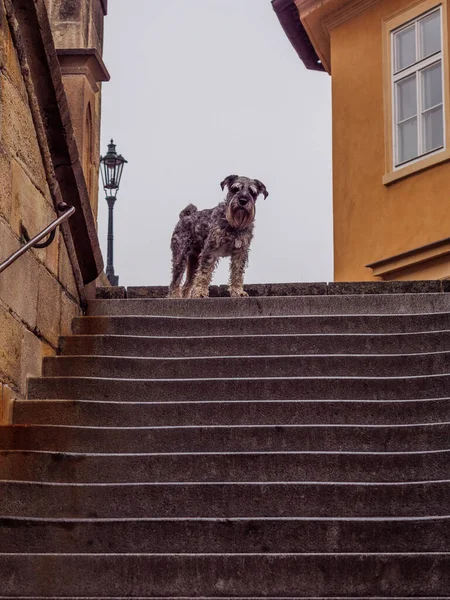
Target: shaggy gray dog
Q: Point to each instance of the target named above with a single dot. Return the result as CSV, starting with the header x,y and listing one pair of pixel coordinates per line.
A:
x,y
201,237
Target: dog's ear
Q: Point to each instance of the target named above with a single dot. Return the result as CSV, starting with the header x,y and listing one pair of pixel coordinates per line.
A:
x,y
261,188
228,181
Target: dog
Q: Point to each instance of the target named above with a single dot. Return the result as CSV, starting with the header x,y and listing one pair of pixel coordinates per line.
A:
x,y
201,237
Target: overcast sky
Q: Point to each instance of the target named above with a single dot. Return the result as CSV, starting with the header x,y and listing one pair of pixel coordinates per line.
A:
x,y
201,89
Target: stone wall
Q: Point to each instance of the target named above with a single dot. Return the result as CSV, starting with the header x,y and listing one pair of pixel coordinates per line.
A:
x,y
39,296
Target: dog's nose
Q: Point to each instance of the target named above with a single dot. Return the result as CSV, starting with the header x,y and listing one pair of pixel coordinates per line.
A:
x,y
243,201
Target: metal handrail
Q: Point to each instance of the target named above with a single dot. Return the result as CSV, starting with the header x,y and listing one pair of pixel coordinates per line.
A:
x,y
62,208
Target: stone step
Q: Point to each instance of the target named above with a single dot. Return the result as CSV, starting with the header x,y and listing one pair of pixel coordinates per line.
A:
x,y
291,289
202,453
233,326
60,467
377,597
268,306
248,366
230,536
224,500
241,345
261,412
227,438
279,289
268,388
261,575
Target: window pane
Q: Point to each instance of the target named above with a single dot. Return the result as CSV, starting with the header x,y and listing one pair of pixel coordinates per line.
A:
x,y
433,130
432,86
405,48
406,98
407,141
430,34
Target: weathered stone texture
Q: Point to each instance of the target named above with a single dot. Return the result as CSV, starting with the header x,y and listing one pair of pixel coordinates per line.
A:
x,y
32,312
385,287
31,358
18,284
19,135
49,307
65,272
111,293
3,33
65,17
10,347
97,20
77,23
29,206
6,185
51,255
6,397
69,311
69,10
8,58
21,352
38,293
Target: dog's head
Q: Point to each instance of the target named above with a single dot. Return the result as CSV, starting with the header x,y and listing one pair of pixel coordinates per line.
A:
x,y
241,199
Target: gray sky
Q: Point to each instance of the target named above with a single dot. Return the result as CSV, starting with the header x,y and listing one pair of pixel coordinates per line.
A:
x,y
202,89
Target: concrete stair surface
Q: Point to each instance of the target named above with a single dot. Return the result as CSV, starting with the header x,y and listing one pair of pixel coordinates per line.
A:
x,y
265,447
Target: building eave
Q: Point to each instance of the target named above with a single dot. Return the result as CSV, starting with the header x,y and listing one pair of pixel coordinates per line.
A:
x,y
289,18
315,19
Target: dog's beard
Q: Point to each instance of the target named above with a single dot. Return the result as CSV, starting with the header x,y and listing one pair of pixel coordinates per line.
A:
x,y
240,217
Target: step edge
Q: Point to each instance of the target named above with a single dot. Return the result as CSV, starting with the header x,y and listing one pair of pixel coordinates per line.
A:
x,y
235,357
174,484
316,520
346,453
29,427
226,379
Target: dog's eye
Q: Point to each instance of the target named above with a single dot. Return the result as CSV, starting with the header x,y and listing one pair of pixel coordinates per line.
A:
x,y
235,188
253,191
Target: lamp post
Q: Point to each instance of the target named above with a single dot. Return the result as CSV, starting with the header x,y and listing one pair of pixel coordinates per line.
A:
x,y
111,168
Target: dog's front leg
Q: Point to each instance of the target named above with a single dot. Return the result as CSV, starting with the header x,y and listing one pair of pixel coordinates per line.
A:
x,y
239,260
205,271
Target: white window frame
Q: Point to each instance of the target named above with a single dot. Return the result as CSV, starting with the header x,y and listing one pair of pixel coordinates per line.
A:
x,y
416,69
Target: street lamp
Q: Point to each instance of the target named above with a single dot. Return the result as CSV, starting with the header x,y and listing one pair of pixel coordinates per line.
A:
x,y
111,168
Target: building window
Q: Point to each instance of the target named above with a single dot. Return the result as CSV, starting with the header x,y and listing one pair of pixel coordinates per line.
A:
x,y
417,88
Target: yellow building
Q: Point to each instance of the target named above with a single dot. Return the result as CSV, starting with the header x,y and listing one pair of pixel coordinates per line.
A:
x,y
389,63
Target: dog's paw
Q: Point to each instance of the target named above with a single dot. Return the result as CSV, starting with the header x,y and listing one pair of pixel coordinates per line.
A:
x,y
238,293
199,294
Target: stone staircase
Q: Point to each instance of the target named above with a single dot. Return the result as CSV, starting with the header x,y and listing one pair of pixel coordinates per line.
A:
x,y
270,447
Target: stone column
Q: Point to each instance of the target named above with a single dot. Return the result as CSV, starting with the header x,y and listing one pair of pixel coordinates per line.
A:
x,y
77,27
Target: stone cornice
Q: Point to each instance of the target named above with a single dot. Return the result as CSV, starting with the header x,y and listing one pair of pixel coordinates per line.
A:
x,y
319,17
86,62
306,6
347,12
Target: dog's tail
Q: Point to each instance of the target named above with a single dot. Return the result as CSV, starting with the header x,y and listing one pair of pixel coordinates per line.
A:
x,y
189,210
